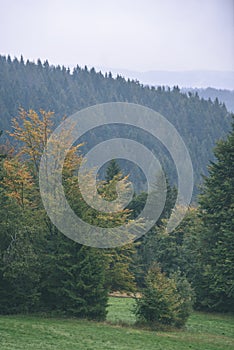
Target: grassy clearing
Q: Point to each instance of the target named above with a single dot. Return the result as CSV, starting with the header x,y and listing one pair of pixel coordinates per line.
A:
x,y
203,332
120,311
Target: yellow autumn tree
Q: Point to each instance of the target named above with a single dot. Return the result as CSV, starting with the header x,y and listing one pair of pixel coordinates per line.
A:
x,y
18,181
32,130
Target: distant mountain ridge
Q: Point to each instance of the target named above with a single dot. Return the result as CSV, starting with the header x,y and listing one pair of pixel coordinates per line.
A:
x,y
188,79
208,84
225,96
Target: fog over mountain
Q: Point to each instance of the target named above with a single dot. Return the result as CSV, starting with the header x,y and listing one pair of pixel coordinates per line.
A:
x,y
208,84
188,79
225,96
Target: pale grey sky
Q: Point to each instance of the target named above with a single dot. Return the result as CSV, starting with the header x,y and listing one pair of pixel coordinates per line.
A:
x,y
132,34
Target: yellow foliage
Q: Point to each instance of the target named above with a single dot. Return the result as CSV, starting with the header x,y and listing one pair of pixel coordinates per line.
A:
x,y
18,182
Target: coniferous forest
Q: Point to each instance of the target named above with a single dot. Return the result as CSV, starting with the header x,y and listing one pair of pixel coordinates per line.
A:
x,y
40,86
41,270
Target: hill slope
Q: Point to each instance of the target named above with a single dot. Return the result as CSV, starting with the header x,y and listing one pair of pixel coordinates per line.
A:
x,y
225,96
37,85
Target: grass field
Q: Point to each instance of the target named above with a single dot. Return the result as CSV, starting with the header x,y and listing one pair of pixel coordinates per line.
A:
x,y
203,332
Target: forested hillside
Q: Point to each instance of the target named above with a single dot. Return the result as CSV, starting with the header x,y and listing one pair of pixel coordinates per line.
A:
x,y
41,270
39,85
225,96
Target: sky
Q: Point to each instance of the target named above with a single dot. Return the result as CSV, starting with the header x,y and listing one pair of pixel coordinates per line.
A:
x,y
141,35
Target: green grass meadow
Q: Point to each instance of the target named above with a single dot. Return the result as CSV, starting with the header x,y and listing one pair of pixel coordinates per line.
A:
x,y
203,332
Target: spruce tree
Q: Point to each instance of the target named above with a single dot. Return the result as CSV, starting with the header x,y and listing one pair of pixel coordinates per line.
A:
x,y
112,170
217,236
165,301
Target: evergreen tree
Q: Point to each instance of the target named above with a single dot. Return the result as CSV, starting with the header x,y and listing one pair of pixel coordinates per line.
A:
x,y
165,301
217,235
112,170
155,245
167,249
73,279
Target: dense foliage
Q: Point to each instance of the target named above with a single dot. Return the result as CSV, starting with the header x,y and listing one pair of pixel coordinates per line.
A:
x,y
164,301
42,270
217,236
201,247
